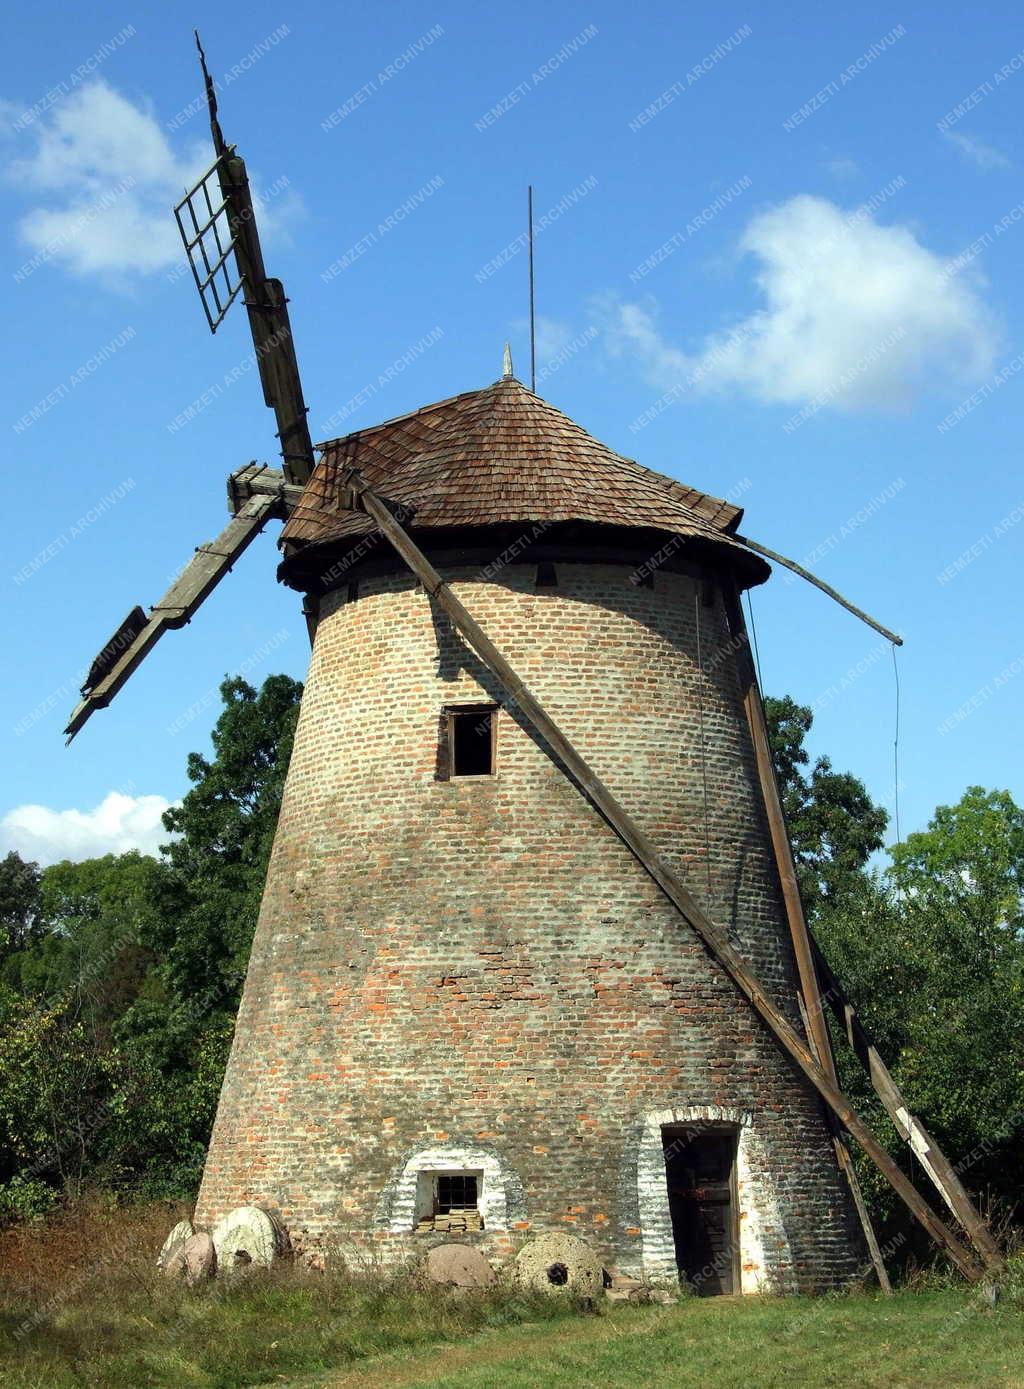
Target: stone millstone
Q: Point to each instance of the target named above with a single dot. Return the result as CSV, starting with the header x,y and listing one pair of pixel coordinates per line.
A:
x,y
563,1265
459,1266
194,1258
246,1236
178,1236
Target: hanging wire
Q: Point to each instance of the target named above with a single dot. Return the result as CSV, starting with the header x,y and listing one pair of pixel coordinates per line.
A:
x,y
753,633
896,749
703,744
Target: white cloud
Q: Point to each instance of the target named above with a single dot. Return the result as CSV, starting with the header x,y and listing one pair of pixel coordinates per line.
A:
x,y
861,314
552,336
843,168
982,156
117,824
104,178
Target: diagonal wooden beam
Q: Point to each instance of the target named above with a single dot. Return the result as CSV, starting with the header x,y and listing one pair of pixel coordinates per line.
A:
x,y
810,993
819,583
674,889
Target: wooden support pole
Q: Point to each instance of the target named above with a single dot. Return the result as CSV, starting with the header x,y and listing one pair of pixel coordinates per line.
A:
x,y
819,583
674,889
928,1153
814,1019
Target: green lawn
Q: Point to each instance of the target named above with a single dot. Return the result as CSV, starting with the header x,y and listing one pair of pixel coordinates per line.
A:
x,y
921,1340
82,1304
278,1333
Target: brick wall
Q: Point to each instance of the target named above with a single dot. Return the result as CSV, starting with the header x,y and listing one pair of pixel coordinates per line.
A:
x,y
480,965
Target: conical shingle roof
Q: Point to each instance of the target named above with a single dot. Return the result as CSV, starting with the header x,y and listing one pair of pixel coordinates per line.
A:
x,y
499,455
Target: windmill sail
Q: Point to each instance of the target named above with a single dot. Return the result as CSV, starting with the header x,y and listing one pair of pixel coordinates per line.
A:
x,y
137,635
217,222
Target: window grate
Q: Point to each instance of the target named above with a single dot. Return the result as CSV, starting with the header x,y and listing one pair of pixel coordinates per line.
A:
x,y
456,1191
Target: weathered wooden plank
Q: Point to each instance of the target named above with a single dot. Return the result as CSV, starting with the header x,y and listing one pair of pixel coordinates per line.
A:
x,y
196,581
269,324
257,480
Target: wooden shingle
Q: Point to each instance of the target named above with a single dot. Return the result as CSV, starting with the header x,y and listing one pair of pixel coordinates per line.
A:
x,y
501,454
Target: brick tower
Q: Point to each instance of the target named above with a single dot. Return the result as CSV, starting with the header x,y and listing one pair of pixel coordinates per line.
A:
x,y
467,1007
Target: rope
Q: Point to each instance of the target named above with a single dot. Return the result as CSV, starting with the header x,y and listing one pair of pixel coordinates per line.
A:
x,y
703,744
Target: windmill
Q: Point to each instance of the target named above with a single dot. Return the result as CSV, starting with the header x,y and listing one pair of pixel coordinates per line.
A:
x,y
483,997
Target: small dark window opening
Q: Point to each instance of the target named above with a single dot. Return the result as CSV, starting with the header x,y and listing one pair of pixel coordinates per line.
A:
x,y
547,575
558,1274
456,1192
471,738
353,590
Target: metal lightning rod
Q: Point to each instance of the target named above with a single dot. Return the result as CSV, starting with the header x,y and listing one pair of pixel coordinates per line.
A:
x,y
533,332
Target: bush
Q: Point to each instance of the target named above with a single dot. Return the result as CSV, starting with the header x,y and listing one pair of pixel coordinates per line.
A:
x,y
25,1198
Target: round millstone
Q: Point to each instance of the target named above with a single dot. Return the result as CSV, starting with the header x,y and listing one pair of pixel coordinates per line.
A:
x,y
562,1265
194,1258
246,1236
178,1236
458,1266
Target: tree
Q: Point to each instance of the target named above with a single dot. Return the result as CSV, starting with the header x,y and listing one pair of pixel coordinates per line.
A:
x,y
91,956
834,825
932,953
971,862
121,976
225,827
171,1045
21,920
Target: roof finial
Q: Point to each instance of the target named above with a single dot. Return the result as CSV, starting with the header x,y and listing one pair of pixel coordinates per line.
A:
x,y
506,364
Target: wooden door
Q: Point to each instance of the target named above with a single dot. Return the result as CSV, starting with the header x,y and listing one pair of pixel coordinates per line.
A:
x,y
700,1170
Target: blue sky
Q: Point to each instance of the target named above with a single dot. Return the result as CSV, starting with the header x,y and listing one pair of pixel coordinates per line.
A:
x,y
799,231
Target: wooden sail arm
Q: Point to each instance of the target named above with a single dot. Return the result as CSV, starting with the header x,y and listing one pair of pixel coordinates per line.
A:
x,y
203,226
135,639
266,304
663,875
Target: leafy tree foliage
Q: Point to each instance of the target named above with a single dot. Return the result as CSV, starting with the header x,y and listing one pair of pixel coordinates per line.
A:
x,y
834,825
121,976
225,827
932,952
21,921
66,986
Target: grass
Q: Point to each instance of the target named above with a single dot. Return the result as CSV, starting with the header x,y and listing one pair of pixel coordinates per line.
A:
x,y
911,1341
82,1304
